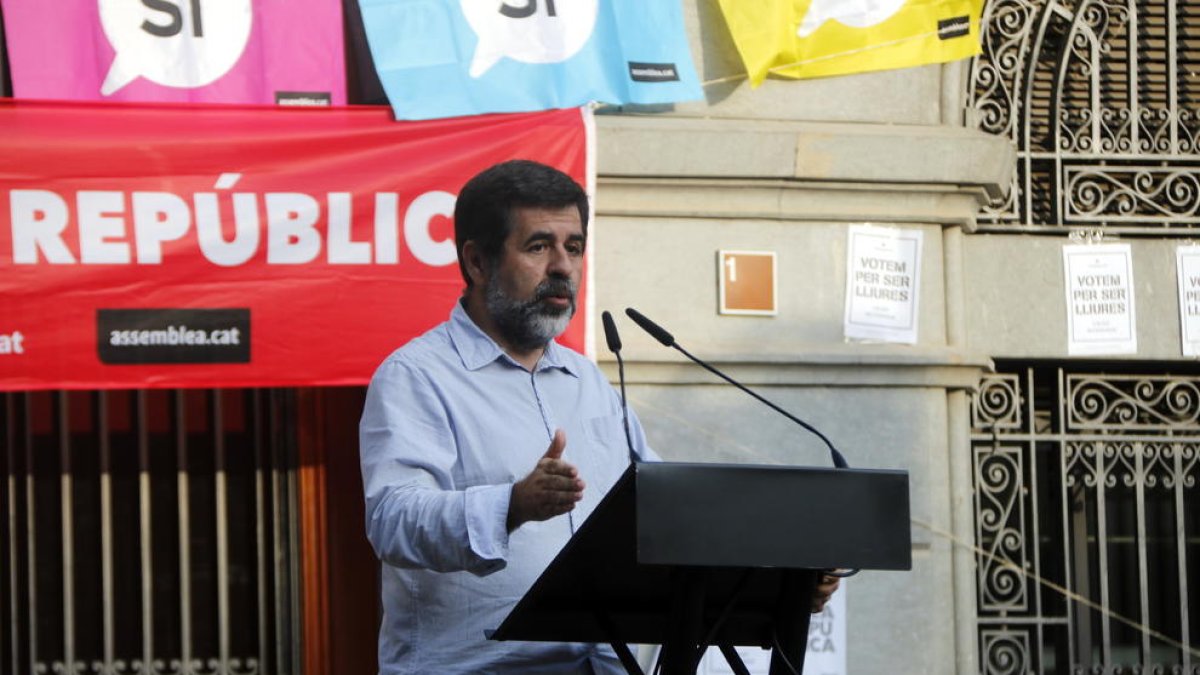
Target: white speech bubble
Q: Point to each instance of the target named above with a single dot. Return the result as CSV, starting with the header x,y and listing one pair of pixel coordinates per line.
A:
x,y
529,31
853,13
175,43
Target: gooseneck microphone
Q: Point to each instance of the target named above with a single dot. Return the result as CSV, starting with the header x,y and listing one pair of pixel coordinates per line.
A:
x,y
614,345
668,340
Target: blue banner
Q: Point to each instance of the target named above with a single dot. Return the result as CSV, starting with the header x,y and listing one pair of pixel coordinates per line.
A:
x,y
445,58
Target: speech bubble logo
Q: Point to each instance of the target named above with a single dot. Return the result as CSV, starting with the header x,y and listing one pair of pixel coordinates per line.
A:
x,y
853,13
175,43
529,31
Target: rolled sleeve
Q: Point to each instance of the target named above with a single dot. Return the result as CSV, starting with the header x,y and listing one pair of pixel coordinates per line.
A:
x,y
487,524
415,517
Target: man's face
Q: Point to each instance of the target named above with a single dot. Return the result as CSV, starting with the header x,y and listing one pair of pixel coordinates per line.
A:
x,y
530,292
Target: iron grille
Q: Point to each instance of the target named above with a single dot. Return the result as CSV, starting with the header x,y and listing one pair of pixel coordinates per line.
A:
x,y
1085,492
1102,100
148,532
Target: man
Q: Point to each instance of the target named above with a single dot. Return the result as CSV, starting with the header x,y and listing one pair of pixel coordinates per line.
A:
x,y
485,443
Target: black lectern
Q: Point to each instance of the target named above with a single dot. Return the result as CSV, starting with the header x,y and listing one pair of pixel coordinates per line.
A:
x,y
696,555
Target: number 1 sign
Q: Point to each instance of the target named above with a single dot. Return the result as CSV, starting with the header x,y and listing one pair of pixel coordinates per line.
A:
x,y
748,282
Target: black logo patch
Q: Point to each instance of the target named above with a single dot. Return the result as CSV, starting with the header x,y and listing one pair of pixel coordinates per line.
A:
x,y
304,98
129,336
653,72
955,27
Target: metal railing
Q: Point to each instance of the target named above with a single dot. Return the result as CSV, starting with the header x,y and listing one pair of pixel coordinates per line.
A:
x,y
148,532
1088,482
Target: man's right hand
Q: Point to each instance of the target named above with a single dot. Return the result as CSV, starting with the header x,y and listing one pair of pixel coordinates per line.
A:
x,y
551,489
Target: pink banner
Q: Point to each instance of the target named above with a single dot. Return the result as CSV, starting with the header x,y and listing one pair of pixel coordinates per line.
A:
x,y
216,51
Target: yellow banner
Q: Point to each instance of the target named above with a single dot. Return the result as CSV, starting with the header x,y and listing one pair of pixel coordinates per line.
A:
x,y
819,38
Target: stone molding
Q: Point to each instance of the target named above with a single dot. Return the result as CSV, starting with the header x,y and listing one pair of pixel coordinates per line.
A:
x,y
937,368
743,199
797,170
644,145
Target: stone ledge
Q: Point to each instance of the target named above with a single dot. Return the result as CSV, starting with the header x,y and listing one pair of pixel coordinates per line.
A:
x,y
633,145
773,199
835,368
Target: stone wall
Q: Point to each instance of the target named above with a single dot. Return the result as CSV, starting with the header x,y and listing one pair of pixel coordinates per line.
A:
x,y
789,167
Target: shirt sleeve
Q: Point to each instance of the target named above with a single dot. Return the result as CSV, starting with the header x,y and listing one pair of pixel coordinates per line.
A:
x,y
414,516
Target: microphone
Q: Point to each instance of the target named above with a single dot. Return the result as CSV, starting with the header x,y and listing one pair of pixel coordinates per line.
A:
x,y
610,333
656,331
614,346
668,340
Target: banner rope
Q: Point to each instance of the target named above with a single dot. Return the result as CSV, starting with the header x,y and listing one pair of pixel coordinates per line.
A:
x,y
818,59
1058,588
948,536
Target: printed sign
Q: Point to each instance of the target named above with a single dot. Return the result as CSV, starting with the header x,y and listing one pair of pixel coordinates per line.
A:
x,y
1187,268
819,38
445,58
883,277
1100,307
825,655
160,246
220,51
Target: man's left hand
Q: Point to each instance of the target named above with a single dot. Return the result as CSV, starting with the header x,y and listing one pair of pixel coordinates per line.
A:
x,y
826,585
551,489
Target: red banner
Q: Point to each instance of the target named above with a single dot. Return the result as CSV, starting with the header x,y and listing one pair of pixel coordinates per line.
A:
x,y
221,246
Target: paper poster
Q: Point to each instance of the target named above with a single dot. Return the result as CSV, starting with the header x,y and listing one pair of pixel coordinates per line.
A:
x,y
446,58
217,51
826,653
1187,268
819,38
883,277
1099,297
239,246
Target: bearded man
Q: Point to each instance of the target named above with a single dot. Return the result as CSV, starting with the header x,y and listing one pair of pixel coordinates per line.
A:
x,y
484,443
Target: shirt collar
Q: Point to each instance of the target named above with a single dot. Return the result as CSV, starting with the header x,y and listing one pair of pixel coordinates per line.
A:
x,y
477,349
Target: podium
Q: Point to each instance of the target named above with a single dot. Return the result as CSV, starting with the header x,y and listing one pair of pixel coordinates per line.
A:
x,y
696,555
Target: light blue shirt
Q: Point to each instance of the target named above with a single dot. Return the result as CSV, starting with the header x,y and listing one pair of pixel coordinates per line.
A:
x,y
450,423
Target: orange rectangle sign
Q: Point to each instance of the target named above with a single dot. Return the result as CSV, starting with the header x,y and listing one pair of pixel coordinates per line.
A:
x,y
748,282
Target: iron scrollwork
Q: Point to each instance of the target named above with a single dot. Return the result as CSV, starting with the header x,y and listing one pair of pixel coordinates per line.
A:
x,y
997,405
1099,144
1116,403
1005,652
1000,487
1094,192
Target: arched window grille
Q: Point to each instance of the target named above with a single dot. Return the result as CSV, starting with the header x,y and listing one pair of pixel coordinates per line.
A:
x,y
1102,100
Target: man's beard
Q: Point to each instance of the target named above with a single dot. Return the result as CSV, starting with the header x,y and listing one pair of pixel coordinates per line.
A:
x,y
529,324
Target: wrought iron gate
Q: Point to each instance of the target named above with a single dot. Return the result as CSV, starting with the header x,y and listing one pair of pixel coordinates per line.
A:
x,y
1086,492
1102,100
148,532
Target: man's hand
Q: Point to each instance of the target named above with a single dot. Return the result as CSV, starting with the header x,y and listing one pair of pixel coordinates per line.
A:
x,y
551,489
826,585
